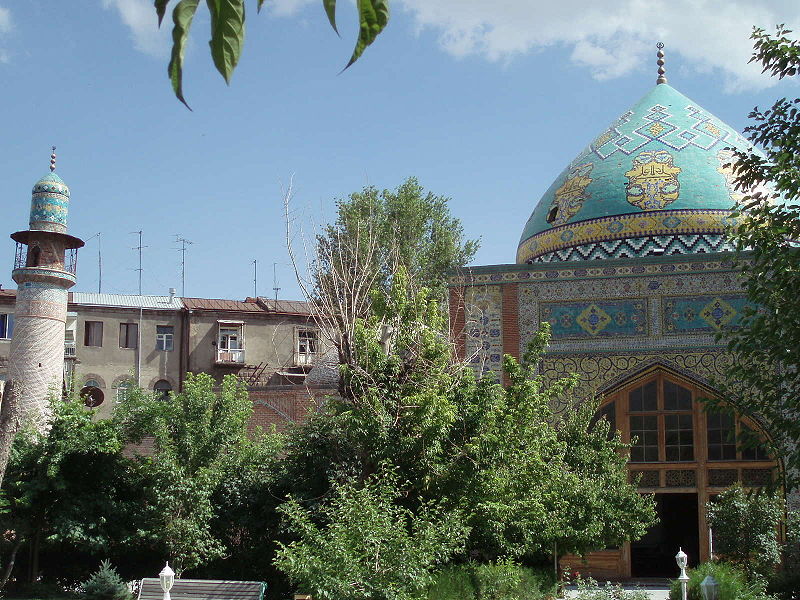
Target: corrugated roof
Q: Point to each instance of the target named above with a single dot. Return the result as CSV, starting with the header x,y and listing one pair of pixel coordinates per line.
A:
x,y
127,300
294,307
220,304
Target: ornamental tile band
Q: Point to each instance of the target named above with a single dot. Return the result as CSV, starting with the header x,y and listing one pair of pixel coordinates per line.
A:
x,y
671,223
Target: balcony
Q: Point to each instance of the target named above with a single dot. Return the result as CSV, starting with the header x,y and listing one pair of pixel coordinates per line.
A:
x,y
230,357
69,350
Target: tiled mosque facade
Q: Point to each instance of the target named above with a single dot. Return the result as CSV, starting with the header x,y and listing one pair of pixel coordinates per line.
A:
x,y
625,256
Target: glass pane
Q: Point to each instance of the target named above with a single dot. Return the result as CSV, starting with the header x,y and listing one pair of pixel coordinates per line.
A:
x,y
650,396
721,435
680,437
676,397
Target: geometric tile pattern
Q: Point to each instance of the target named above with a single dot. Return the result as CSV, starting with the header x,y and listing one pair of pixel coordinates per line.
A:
x,y
601,318
653,245
672,223
484,328
702,313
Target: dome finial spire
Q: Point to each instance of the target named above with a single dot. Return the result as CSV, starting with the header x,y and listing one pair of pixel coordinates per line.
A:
x,y
53,160
662,78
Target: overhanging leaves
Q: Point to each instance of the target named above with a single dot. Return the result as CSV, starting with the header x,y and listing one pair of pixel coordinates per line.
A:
x,y
161,8
227,34
373,15
182,18
330,10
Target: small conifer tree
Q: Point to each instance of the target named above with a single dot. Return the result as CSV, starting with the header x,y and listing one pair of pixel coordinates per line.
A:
x,y
105,584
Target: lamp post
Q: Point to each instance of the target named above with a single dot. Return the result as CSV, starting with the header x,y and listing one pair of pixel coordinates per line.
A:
x,y
167,578
682,560
709,588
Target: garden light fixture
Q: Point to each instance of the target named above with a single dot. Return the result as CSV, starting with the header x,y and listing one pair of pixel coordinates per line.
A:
x,y
167,578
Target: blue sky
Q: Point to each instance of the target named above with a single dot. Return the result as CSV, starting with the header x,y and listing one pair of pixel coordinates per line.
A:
x,y
484,102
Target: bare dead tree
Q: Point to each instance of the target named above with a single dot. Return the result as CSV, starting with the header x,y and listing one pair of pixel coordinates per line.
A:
x,y
348,264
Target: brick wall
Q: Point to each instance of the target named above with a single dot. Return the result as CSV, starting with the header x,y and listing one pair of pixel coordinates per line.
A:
x,y
281,405
510,322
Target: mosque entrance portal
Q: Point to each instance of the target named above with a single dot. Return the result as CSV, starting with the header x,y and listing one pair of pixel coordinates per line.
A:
x,y
654,554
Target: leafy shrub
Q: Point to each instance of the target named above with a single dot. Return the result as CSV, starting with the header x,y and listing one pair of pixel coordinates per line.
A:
x,y
105,584
733,583
492,581
745,529
361,544
785,585
589,589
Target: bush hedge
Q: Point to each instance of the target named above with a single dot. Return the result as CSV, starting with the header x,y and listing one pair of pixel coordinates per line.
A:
x,y
492,581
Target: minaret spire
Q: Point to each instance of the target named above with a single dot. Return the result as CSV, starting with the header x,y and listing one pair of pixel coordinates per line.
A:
x,y
662,78
53,160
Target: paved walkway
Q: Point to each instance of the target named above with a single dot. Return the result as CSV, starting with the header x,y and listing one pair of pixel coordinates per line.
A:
x,y
656,590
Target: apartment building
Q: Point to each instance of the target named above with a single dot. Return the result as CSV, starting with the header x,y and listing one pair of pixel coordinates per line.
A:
x,y
115,341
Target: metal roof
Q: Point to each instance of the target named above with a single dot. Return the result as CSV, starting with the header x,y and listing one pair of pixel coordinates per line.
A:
x,y
127,301
220,304
294,307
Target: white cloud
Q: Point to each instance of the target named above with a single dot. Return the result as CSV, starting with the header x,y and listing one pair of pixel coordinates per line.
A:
x,y
5,28
287,8
5,20
140,17
611,37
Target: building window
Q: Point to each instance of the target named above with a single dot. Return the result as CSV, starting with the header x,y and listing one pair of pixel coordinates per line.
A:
x,y
730,439
128,335
123,389
305,346
91,393
93,333
161,389
164,334
6,326
647,422
230,343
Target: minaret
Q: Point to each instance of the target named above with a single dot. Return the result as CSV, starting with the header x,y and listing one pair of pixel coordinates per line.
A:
x,y
44,269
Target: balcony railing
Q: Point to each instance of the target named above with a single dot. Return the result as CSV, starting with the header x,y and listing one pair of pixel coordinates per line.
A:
x,y
235,357
70,260
69,350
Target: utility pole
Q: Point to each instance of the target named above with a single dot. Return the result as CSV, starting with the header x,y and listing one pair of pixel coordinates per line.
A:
x,y
183,242
276,289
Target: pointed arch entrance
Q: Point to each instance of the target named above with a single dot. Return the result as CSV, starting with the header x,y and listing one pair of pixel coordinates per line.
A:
x,y
682,455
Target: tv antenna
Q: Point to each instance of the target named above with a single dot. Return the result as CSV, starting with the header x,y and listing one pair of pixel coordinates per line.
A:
x,y
139,248
99,263
255,278
275,288
183,242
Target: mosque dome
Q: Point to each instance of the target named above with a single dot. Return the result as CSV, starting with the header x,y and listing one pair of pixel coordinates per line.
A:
x,y
49,204
654,182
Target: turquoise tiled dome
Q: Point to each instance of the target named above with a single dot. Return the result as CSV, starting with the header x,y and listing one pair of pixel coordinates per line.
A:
x,y
49,204
654,182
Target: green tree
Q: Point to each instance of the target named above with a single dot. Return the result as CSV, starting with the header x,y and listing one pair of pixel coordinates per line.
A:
x,y
228,29
105,584
377,233
68,488
523,477
764,380
199,439
360,544
745,526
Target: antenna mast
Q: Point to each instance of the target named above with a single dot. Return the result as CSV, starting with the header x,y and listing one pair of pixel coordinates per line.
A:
x,y
139,248
99,266
255,278
183,242
275,280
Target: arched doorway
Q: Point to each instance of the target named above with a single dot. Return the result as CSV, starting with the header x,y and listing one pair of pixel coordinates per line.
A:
x,y
682,455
